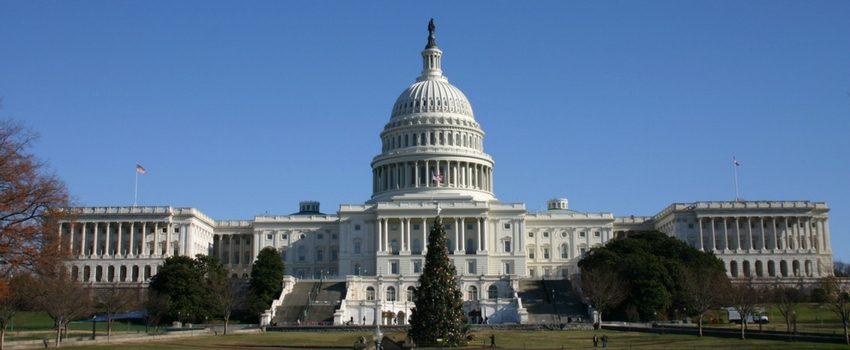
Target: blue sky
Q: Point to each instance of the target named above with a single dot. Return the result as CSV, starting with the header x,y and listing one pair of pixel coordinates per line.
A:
x,y
242,108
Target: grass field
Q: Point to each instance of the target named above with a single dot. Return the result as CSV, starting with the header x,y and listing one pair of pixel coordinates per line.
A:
x,y
504,340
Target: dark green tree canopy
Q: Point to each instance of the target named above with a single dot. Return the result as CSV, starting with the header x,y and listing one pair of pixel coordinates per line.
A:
x,y
187,285
438,313
653,265
266,280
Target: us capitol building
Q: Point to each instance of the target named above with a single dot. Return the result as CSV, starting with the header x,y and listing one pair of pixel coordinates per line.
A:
x,y
433,156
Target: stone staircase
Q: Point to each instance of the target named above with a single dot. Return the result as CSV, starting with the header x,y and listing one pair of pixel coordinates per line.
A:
x,y
537,299
310,303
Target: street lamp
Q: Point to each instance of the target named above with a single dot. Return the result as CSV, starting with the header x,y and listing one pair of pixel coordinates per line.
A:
x,y
378,334
93,324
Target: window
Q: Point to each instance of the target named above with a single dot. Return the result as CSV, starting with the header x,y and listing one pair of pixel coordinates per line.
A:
x,y
370,293
531,272
320,236
507,226
596,234
417,266
334,254
565,251
357,246
394,267
492,292
690,225
545,253
472,293
283,236
411,294
302,253
468,226
470,267
545,234
563,233
531,234
333,236
356,227
530,250
320,254
507,246
581,234
390,293
415,226
269,236
303,236
508,267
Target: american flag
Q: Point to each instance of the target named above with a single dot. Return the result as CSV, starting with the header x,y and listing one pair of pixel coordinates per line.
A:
x,y
140,169
438,178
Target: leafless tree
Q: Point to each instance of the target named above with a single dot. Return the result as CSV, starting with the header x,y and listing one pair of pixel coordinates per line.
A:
x,y
838,297
113,299
12,299
62,298
700,291
603,288
787,299
744,296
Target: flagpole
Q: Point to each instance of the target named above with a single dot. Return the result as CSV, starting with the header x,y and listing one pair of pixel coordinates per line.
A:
x,y
735,170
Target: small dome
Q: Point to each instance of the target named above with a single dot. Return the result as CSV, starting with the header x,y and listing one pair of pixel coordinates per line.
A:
x,y
432,95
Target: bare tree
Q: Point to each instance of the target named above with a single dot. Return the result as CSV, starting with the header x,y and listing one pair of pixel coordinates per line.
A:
x,y
838,297
700,291
787,299
113,299
744,297
63,299
603,288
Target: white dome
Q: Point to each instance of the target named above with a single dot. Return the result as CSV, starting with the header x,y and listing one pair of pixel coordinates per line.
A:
x,y
432,95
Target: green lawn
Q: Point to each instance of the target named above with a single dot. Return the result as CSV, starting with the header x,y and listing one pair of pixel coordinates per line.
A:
x,y
504,340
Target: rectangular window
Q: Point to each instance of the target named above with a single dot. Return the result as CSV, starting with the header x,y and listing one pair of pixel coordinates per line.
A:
x,y
508,267
333,236
531,272
470,267
394,267
545,253
507,226
581,234
468,226
320,255
334,255
531,253
417,266
530,234
269,236
320,236
415,226
596,234
283,236
356,227
690,225
507,246
545,234
357,247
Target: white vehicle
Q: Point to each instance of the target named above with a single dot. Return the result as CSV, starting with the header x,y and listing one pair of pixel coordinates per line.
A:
x,y
756,317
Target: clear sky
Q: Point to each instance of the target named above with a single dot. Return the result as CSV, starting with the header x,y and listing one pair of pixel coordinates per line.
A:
x,y
242,108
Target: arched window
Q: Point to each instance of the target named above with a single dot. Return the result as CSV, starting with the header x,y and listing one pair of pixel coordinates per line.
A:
x,y
492,292
370,293
472,293
733,268
411,293
390,293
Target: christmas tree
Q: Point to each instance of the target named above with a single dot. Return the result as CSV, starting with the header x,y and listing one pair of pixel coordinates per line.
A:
x,y
438,315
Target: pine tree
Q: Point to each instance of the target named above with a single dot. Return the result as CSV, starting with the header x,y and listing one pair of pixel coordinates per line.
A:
x,y
438,313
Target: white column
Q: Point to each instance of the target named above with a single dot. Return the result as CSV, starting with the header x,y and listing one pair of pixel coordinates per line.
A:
x,y
775,243
379,239
119,246
482,232
424,236
156,248
820,236
386,230
826,237
457,241
255,244
401,228
762,232
94,241
521,247
71,239
106,251
168,229
409,236
725,235
701,238
131,243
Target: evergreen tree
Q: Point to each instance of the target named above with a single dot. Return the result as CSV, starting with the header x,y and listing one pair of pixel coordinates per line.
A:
x,y
438,313
266,280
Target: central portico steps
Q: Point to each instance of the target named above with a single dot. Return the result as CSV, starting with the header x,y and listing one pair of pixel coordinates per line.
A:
x,y
311,302
537,300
